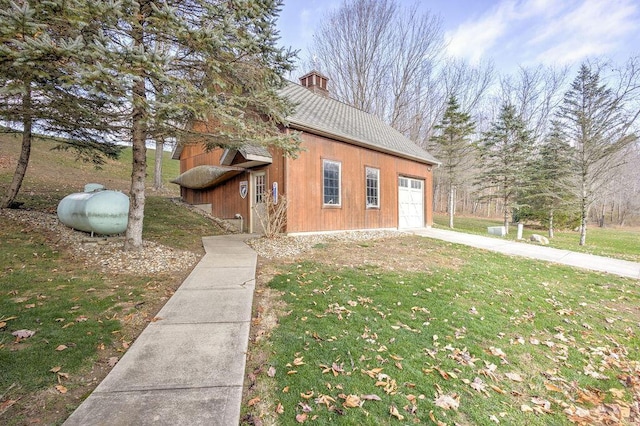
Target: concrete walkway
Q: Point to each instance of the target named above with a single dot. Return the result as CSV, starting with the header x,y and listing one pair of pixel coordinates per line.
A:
x,y
579,260
187,368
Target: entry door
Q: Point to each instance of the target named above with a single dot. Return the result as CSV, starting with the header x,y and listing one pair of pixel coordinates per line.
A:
x,y
410,203
258,206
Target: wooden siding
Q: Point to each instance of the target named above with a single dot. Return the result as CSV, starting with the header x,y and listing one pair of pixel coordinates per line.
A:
x,y
195,155
225,198
304,178
301,179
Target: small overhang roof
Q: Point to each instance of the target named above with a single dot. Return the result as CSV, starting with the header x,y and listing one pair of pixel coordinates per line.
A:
x,y
250,156
202,177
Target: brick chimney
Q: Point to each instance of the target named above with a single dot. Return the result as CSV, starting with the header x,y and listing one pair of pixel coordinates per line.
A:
x,y
315,82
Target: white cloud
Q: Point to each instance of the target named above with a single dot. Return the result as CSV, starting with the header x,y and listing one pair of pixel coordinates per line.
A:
x,y
473,38
594,28
546,31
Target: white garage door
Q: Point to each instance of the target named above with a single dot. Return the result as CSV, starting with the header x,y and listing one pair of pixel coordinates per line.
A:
x,y
410,203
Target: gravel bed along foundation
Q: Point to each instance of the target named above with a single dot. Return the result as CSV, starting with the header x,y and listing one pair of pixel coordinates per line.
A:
x,y
106,253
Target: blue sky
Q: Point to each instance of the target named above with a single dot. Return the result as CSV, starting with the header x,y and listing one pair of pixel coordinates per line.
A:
x,y
509,32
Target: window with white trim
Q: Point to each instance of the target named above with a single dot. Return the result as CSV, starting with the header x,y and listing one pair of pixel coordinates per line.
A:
x,y
261,187
372,184
331,177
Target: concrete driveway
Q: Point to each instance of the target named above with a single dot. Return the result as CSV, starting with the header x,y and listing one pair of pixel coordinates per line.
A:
x,y
591,262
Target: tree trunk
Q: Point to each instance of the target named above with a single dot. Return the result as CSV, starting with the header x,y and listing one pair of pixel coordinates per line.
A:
x,y
139,164
583,221
452,202
157,170
550,224
25,152
506,216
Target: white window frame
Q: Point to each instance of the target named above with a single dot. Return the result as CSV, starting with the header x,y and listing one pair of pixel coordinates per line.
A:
x,y
339,164
376,171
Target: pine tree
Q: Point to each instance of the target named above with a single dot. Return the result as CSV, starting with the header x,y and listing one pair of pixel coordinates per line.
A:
x,y
551,180
454,149
44,84
593,121
200,71
505,153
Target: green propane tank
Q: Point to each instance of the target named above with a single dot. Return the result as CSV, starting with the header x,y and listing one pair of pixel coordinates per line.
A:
x,y
100,212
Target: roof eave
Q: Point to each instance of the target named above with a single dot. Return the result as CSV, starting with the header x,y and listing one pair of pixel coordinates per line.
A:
x,y
314,130
177,150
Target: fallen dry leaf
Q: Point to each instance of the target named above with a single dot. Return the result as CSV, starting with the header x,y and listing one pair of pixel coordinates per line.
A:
x,y
61,389
478,385
298,361
514,376
617,393
352,401
113,361
393,410
279,408
23,334
271,372
307,395
306,408
61,347
497,352
447,402
324,399
56,369
551,387
301,418
253,401
526,409
542,403
370,397
373,373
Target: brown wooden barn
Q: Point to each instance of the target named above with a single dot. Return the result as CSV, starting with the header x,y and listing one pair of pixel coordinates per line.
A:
x,y
354,173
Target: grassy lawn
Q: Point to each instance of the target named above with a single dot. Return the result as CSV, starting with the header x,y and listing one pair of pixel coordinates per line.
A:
x,y
84,319
620,243
477,339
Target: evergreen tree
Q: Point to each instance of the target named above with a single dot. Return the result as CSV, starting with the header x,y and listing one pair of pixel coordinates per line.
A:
x,y
454,149
45,85
593,121
551,180
200,71
505,151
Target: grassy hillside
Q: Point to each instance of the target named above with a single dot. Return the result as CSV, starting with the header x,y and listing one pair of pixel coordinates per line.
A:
x,y
53,174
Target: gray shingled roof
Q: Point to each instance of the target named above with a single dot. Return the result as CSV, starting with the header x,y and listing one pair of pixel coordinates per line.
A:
x,y
317,113
254,150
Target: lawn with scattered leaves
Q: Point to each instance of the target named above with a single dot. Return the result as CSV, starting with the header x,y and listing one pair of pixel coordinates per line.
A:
x,y
64,322
483,339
